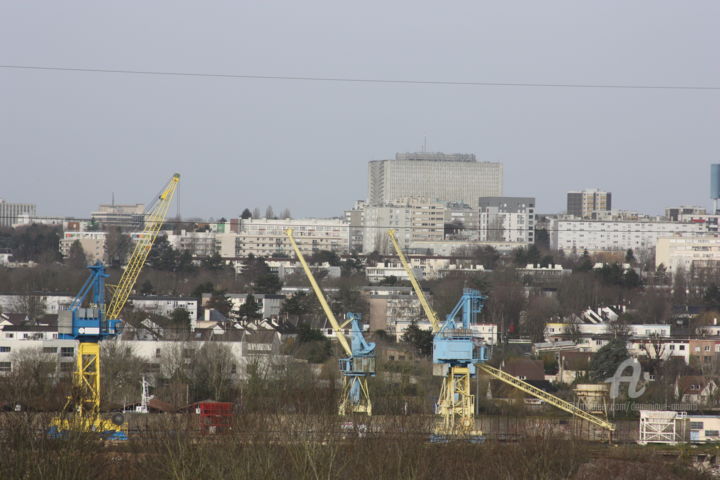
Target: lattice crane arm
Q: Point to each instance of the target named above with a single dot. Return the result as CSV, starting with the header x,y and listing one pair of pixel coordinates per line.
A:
x,y
542,395
429,312
153,223
319,294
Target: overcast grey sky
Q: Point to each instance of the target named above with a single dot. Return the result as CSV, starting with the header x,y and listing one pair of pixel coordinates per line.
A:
x,y
68,140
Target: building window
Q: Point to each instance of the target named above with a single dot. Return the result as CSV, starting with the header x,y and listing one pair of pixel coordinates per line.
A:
x,y
67,351
682,347
4,349
707,348
157,353
5,367
696,425
49,350
712,433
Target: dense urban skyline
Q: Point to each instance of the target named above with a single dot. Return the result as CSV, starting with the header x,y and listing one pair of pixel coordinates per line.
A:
x,y
72,139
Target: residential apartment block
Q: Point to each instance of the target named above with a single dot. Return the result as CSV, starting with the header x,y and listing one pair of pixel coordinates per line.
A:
x,y
507,219
688,253
414,219
598,236
437,176
582,204
265,237
93,244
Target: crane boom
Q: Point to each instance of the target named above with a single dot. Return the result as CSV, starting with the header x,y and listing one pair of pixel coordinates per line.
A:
x,y
429,312
542,395
320,296
153,222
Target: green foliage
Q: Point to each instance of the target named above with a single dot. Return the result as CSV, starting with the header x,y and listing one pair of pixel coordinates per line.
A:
x,y
614,275
37,243
542,239
246,214
322,256
220,302
207,287
147,288
711,296
267,283
313,346
348,299
76,257
300,303
213,263
389,281
525,256
421,340
180,320
251,310
585,264
606,361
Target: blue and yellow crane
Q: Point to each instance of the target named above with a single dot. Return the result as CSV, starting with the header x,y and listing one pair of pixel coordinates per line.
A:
x,y
360,361
89,321
458,354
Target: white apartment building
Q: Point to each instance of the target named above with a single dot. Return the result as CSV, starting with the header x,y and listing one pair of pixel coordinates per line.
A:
x,y
265,237
165,305
597,236
93,244
199,244
10,213
684,253
414,219
439,176
424,268
507,219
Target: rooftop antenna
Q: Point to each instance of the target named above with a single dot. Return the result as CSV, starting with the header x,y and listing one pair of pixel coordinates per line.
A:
x,y
424,147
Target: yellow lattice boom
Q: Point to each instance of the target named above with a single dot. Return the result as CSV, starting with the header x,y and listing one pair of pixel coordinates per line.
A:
x,y
546,397
153,223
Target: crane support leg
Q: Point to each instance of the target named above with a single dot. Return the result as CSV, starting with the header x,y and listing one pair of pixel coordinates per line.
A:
x,y
355,395
87,378
456,404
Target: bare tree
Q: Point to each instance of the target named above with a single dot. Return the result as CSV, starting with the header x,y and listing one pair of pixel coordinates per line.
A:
x,y
269,212
121,373
31,305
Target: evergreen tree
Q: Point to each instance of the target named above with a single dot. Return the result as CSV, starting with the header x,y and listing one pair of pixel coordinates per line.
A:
x,y
251,310
246,214
76,257
605,362
421,339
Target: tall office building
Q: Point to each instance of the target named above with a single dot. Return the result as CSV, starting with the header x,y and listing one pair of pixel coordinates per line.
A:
x,y
10,213
457,178
583,204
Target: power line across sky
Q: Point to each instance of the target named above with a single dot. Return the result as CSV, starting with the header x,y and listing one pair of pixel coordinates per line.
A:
x,y
386,81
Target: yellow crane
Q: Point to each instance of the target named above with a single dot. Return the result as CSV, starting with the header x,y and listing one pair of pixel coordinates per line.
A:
x,y
456,399
360,361
95,322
